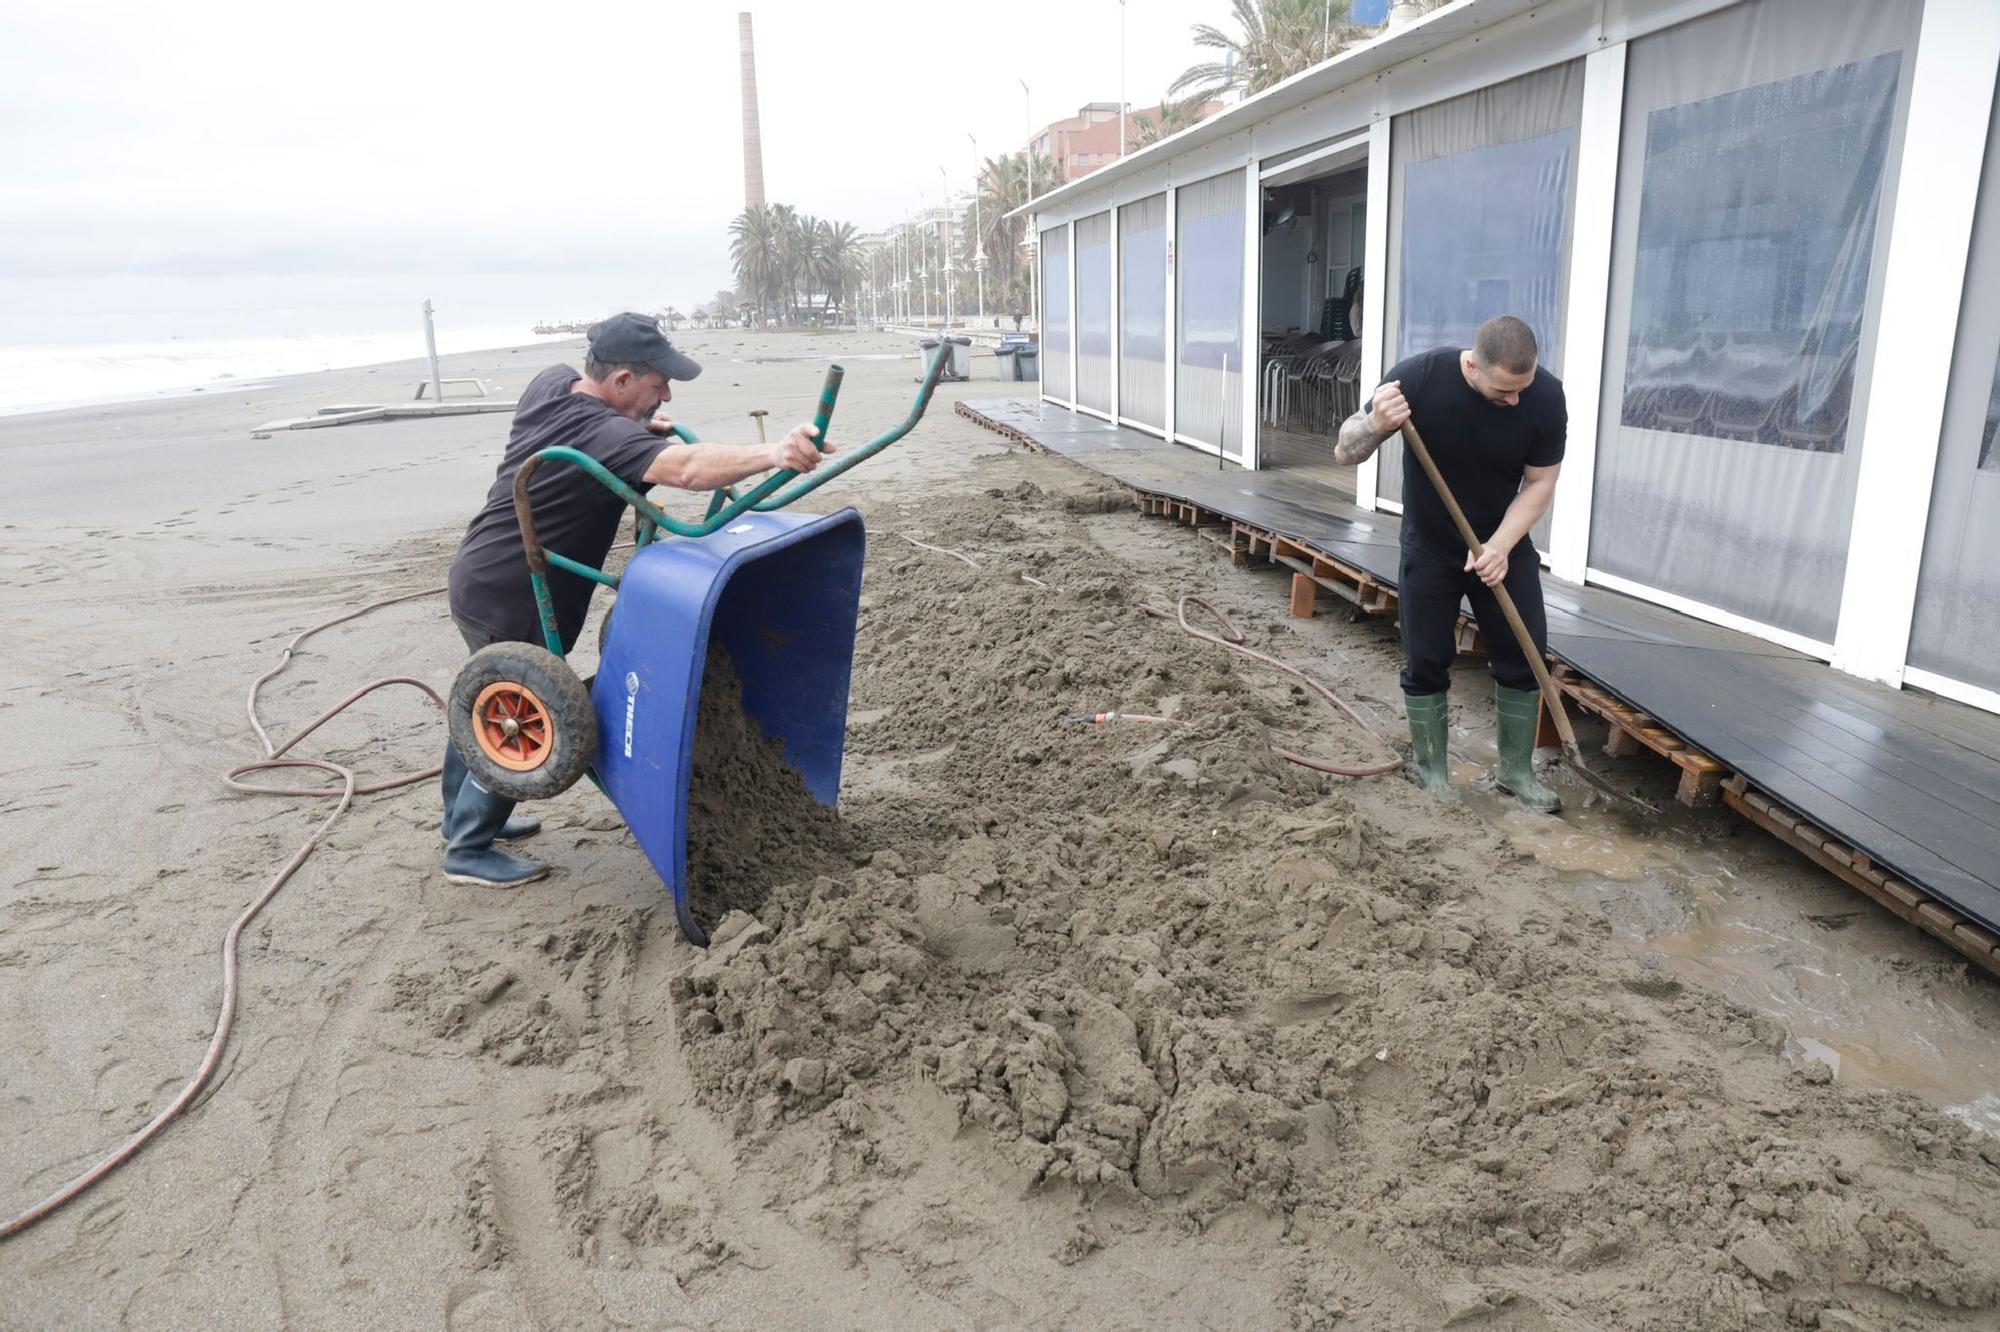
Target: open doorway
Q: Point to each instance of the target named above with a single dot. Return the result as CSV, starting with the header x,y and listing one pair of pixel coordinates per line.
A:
x,y
1315,226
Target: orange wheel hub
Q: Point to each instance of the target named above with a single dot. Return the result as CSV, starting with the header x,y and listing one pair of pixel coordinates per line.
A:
x,y
514,727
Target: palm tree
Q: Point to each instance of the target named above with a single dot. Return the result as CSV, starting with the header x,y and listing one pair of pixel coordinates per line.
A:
x,y
1005,183
798,256
1275,40
754,239
1174,117
842,266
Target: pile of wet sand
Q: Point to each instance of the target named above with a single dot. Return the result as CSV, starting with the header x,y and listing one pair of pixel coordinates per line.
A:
x,y
1189,983
751,821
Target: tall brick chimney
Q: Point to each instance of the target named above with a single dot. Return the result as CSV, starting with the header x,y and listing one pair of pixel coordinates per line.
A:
x,y
753,141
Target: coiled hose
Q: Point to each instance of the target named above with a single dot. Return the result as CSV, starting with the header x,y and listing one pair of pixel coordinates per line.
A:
x,y
274,757
1232,638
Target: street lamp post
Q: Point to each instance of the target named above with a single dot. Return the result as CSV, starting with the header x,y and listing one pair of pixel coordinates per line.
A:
x,y
1121,78
1034,282
944,245
978,230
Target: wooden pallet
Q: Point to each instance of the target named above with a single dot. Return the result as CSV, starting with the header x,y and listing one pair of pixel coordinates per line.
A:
x,y
978,418
1855,868
1632,731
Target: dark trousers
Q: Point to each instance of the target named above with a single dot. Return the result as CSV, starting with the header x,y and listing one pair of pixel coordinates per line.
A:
x,y
454,763
476,637
1428,596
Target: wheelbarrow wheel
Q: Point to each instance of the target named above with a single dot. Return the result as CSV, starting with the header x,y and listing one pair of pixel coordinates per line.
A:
x,y
522,721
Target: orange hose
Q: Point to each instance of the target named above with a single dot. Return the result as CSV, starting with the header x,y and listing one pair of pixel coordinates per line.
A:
x,y
1232,638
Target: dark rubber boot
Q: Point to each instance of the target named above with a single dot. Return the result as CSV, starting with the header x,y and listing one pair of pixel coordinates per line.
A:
x,y
470,826
453,777
1429,729
1516,710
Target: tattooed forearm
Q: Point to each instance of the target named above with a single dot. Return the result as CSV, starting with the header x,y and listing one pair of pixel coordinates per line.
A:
x,y
1358,440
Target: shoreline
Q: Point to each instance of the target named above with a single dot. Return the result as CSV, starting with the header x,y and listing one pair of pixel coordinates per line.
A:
x,y
466,360
213,365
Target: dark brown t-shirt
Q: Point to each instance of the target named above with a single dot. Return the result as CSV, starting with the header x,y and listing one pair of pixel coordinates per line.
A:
x,y
574,514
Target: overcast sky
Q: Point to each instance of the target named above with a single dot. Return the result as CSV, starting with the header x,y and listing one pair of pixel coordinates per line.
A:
x,y
212,168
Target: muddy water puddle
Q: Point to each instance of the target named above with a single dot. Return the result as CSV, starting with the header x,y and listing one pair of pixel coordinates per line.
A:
x,y
1704,897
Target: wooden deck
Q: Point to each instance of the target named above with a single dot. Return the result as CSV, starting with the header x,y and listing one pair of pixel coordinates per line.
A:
x,y
1895,792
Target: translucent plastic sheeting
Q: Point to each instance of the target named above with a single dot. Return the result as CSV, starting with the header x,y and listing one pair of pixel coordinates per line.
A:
x,y
1055,314
1208,383
1093,312
1956,632
1759,153
1483,189
1142,311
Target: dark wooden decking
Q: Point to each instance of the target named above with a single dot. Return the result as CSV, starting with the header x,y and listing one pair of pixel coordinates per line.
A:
x,y
1896,792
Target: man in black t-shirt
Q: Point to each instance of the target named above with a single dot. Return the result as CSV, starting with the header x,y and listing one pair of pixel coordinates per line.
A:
x,y
611,412
1495,426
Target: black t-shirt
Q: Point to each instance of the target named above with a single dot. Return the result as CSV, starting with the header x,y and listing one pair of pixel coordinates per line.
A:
x,y
1479,446
574,514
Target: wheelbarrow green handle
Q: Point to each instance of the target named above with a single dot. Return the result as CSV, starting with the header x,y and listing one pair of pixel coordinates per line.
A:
x,y
822,418
759,497
821,475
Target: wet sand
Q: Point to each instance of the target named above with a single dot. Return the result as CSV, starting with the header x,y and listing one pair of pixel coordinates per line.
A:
x,y
1088,1026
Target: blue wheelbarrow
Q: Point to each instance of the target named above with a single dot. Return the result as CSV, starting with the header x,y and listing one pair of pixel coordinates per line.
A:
x,y
780,591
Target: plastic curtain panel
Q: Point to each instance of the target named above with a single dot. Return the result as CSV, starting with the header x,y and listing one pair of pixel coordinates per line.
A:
x,y
1054,357
1759,153
1483,189
1208,263
1956,632
1142,311
1093,312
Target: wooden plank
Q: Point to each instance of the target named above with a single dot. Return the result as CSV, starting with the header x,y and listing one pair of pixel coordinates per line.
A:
x,y
1620,743
1699,789
1974,939
1546,734
1305,592
1900,897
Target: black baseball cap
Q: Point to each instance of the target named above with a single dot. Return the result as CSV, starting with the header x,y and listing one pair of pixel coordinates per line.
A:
x,y
636,339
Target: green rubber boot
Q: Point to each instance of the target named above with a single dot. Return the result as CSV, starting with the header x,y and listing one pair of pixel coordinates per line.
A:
x,y
1517,710
1429,728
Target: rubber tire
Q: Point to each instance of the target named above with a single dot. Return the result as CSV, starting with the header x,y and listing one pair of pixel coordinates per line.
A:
x,y
561,692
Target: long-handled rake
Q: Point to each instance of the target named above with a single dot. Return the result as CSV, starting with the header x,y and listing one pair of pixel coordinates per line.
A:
x,y
1551,696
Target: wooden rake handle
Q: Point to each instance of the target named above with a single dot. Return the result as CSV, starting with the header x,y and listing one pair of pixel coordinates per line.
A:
x,y
1551,696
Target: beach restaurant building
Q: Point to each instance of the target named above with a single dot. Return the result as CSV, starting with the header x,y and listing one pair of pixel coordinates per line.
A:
x,y
1759,242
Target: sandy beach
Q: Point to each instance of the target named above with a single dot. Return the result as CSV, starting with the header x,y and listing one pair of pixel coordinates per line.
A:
x,y
1086,1026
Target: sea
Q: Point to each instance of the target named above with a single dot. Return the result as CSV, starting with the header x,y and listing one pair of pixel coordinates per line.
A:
x,y
48,376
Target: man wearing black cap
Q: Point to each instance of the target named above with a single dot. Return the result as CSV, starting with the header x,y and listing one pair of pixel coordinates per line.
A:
x,y
611,412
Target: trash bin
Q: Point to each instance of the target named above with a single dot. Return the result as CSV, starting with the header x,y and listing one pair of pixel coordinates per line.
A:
x,y
1015,347
961,357
1004,364
1028,363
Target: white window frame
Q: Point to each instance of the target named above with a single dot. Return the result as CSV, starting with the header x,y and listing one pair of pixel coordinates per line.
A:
x,y
1930,240
1374,300
1118,318
1076,322
1598,137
